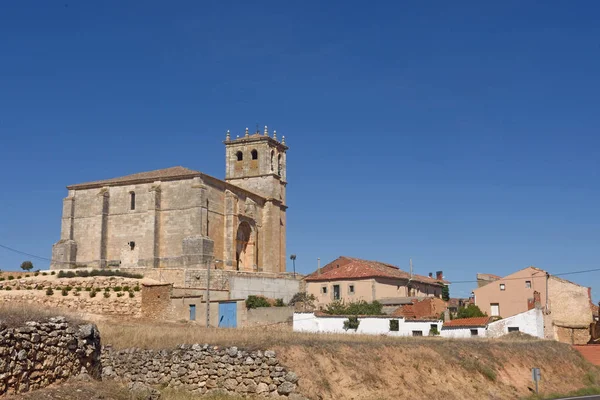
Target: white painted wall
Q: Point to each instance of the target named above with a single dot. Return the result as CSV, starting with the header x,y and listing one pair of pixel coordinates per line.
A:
x,y
308,322
530,322
462,332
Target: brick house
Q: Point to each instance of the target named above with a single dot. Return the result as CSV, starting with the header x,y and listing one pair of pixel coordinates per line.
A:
x,y
352,279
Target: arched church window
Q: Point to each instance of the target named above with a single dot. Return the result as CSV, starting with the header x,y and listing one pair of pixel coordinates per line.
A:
x,y
272,155
254,155
240,156
132,200
279,165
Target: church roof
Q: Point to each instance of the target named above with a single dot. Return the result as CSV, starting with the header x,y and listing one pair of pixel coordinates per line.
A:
x,y
142,177
348,268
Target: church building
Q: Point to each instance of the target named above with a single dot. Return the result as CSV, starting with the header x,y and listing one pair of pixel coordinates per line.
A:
x,y
181,218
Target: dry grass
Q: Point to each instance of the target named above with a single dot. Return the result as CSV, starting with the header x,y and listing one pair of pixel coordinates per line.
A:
x,y
16,314
152,335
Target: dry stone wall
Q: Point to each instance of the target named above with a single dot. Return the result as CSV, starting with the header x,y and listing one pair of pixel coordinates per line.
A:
x,y
202,368
40,353
83,283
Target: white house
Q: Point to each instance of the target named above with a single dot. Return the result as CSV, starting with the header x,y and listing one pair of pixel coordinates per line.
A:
x,y
530,322
371,325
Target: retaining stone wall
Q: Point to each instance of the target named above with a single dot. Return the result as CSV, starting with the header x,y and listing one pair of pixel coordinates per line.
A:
x,y
54,283
203,368
40,353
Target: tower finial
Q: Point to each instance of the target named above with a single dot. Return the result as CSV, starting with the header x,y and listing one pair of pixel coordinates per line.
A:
x,y
275,135
247,134
266,131
283,139
228,135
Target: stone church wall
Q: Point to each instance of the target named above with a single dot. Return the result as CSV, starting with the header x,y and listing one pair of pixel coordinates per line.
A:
x,y
38,354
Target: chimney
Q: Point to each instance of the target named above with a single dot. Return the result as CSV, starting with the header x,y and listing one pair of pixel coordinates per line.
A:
x,y
439,275
536,302
431,275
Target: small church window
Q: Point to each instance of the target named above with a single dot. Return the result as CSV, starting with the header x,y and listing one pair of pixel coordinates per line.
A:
x,y
132,245
254,155
272,154
279,165
240,156
132,199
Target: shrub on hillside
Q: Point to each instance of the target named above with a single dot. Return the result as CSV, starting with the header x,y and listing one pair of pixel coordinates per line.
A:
x,y
10,277
52,272
131,294
120,294
256,302
27,275
2,278
93,293
8,288
117,288
88,289
44,274
107,294
36,273
136,288
65,292
49,292
26,265
97,272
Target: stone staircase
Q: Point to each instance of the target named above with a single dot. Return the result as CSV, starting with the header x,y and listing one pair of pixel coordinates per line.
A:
x,y
590,352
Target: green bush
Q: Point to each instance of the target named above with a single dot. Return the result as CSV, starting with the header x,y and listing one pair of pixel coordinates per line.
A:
x,y
394,325
361,307
107,294
2,278
28,287
136,288
303,297
65,292
256,302
279,303
120,294
44,274
107,289
10,277
26,265
49,292
351,323
58,288
78,288
126,288
131,294
8,288
36,273
93,293
434,331
117,288
27,275
68,288
470,311
40,287
52,272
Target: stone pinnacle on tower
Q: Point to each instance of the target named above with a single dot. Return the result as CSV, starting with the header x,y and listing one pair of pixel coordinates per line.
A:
x,y
228,135
247,134
283,139
275,135
266,131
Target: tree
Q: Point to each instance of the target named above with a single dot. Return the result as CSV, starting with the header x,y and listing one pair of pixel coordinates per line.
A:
x,y
470,311
445,293
27,266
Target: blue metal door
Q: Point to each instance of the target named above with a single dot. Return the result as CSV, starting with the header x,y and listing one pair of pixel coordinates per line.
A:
x,y
227,315
192,312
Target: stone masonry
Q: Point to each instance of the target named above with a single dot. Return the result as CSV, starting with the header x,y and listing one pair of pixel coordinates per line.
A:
x,y
202,368
181,218
40,353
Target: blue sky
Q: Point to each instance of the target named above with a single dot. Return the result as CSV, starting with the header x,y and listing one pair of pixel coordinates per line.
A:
x,y
463,135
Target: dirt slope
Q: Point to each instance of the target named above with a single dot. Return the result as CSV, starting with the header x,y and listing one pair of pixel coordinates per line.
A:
x,y
436,369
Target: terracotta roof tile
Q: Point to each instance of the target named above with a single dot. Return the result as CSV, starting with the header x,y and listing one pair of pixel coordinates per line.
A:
x,y
354,268
467,322
167,173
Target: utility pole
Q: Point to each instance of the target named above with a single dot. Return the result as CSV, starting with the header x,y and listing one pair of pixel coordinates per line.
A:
x,y
293,258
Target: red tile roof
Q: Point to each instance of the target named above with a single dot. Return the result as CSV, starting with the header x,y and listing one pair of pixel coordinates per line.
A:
x,y
467,322
354,268
149,176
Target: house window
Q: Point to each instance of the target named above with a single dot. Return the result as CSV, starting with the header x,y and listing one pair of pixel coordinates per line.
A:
x,y
351,289
474,332
513,329
132,200
324,290
239,155
417,333
336,292
502,287
132,245
528,284
394,325
495,309
254,155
